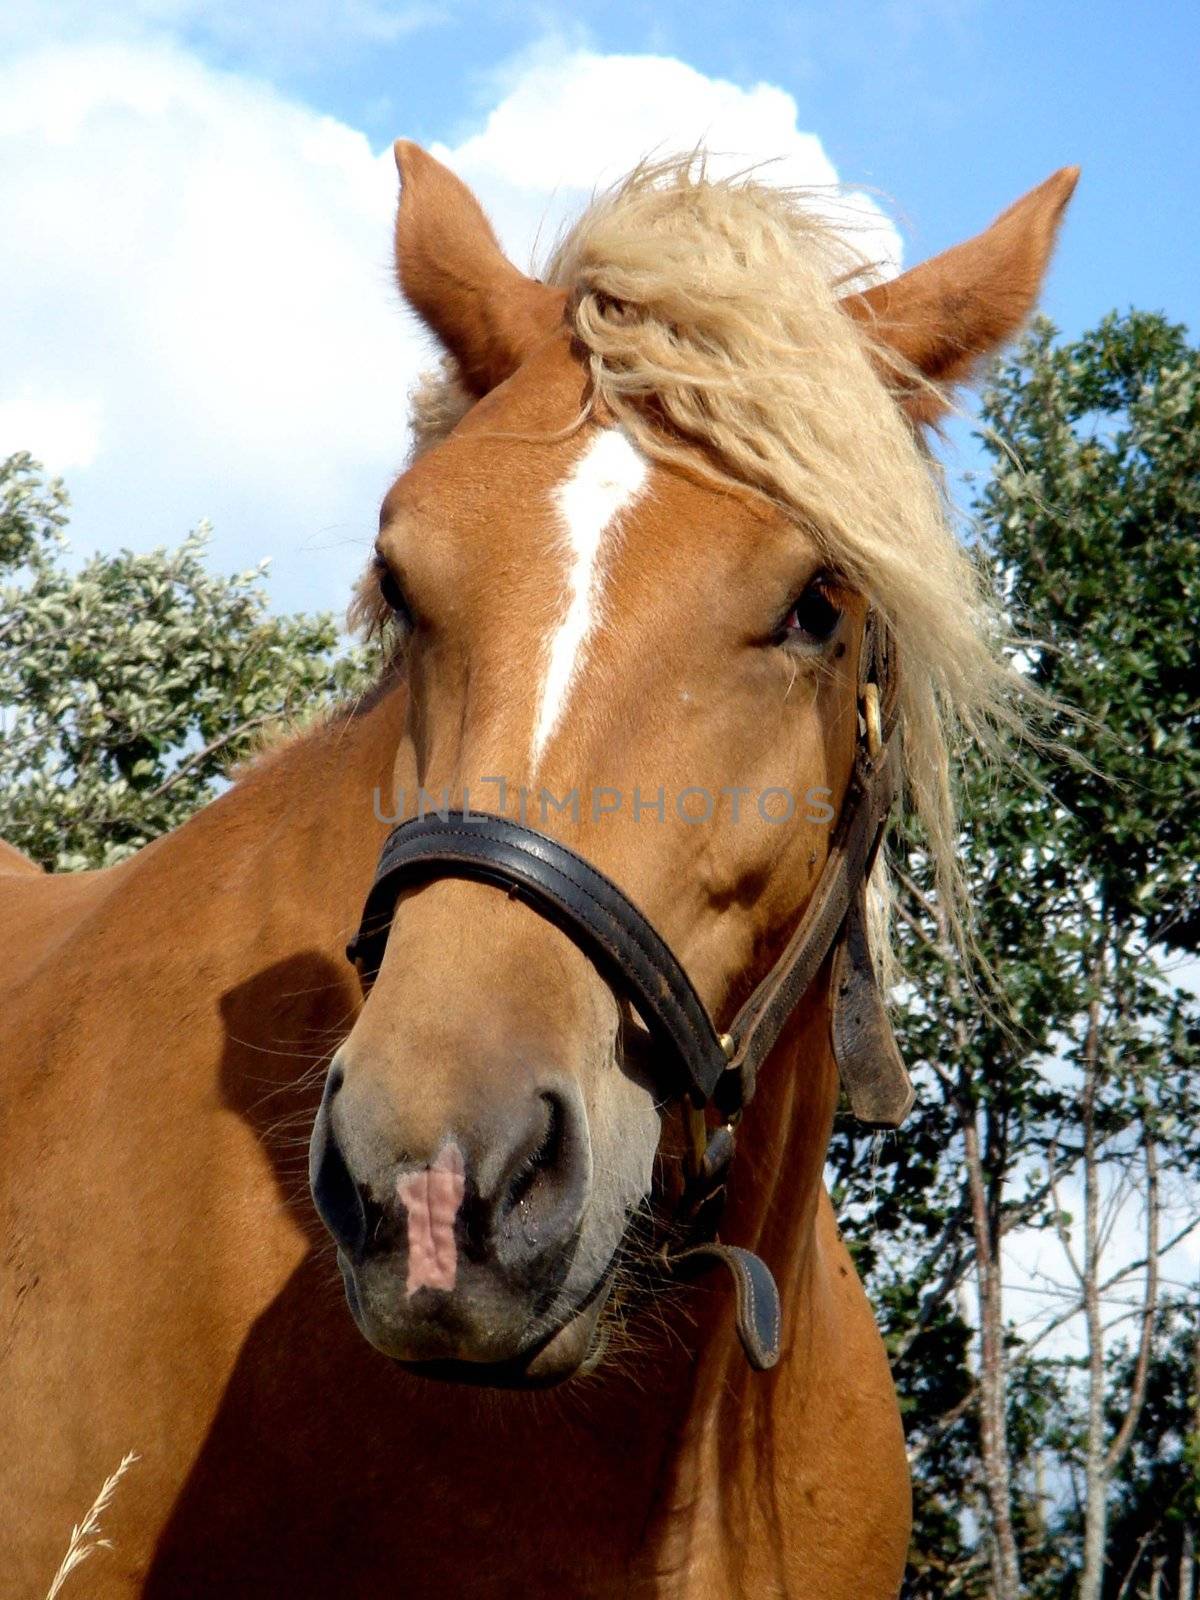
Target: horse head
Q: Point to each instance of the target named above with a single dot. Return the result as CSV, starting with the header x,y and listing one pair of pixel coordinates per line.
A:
x,y
629,575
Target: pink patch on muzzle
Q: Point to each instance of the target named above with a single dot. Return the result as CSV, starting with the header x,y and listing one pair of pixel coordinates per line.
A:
x,y
432,1198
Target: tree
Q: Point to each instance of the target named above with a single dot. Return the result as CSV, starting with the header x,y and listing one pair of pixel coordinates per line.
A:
x,y
1156,1497
131,685
1080,1080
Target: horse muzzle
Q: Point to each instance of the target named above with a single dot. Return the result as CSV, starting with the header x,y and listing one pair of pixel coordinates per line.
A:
x,y
461,1258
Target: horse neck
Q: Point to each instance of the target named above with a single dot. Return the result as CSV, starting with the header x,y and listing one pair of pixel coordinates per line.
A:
x,y
776,1183
301,831
739,1425
259,892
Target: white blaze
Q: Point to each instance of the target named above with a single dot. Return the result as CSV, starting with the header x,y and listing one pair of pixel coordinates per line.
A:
x,y
604,482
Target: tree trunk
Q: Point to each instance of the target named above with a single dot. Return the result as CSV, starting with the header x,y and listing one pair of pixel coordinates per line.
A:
x,y
1101,1459
993,1440
1095,1503
1187,1541
1040,1498
985,1229
1154,1592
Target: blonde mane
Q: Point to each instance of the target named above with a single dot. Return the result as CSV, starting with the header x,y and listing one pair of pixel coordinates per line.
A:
x,y
707,313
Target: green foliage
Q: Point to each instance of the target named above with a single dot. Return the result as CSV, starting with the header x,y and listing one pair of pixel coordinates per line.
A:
x,y
1158,1492
1085,887
130,685
1096,538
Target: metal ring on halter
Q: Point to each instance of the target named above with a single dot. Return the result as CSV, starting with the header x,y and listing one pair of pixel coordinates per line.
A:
x,y
697,1128
871,716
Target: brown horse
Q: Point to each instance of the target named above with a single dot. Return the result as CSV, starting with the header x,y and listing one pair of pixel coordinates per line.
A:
x,y
653,502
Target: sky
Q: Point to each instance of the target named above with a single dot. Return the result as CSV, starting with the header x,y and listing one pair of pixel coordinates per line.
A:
x,y
199,315
199,319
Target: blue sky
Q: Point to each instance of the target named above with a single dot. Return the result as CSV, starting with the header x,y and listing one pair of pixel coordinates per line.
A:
x,y
949,107
199,319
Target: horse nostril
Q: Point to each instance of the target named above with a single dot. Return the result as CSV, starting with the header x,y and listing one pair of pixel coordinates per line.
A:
x,y
540,1201
536,1169
334,1191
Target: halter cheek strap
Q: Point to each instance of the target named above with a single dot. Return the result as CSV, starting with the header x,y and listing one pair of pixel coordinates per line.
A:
x,y
694,1062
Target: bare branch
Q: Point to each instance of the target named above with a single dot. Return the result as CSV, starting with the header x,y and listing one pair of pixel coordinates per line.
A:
x,y
1137,1389
1060,1228
952,1274
1136,1562
943,1425
197,756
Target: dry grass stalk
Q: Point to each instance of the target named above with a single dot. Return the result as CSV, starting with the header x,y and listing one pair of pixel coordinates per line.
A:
x,y
86,1536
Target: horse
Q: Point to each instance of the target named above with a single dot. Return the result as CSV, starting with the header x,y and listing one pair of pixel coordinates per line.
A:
x,y
657,502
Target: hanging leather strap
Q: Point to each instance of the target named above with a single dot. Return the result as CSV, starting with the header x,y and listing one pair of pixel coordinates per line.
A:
x,y
756,1028
873,1073
758,1314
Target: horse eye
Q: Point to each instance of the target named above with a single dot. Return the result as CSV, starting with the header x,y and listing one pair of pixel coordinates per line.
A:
x,y
393,594
814,617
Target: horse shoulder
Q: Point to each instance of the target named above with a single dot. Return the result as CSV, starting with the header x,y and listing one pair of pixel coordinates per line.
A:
x,y
39,911
11,860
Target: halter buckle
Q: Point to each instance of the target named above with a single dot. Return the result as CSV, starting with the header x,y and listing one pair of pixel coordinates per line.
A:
x,y
872,718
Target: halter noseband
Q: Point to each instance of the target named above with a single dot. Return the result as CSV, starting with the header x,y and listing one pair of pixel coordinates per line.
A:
x,y
693,1062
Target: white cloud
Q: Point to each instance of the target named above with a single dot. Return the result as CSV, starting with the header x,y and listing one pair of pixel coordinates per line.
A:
x,y
199,316
60,433
198,309
571,123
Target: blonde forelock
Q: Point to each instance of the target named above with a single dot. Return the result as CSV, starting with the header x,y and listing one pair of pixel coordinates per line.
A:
x,y
707,312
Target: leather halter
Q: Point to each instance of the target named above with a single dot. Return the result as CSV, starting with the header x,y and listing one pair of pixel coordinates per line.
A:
x,y
692,1061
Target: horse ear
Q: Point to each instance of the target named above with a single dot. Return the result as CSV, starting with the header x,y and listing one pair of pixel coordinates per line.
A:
x,y
945,317
455,276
